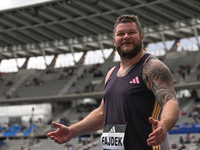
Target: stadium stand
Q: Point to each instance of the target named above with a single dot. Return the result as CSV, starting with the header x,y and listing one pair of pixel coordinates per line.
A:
x,y
184,59
73,114
35,31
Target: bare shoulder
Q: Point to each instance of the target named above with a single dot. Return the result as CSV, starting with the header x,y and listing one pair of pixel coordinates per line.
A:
x,y
155,67
158,78
109,73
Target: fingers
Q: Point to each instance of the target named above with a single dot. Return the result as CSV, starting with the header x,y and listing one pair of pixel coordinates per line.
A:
x,y
50,134
155,141
54,135
154,138
56,124
153,121
158,135
155,133
56,140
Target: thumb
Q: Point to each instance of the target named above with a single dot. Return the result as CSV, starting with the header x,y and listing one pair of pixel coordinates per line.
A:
x,y
153,121
56,124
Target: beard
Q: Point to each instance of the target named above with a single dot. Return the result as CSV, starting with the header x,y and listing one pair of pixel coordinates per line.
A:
x,y
131,52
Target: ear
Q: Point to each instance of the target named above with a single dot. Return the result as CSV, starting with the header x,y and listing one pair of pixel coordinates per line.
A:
x,y
142,37
114,41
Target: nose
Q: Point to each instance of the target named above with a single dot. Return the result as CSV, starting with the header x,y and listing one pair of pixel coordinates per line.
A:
x,y
126,36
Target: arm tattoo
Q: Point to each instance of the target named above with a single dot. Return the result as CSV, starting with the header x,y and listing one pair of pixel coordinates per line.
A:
x,y
145,77
160,79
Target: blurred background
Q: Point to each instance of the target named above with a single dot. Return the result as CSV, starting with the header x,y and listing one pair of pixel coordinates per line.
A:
x,y
55,54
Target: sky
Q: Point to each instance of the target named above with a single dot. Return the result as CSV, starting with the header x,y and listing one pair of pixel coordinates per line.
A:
x,y
8,4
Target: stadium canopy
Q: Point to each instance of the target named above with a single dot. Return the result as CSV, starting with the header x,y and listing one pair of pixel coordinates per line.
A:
x,y
67,26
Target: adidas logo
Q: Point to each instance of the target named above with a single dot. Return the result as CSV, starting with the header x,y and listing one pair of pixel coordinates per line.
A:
x,y
135,80
112,130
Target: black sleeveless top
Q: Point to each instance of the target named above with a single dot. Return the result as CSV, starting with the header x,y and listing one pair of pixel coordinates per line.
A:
x,y
128,101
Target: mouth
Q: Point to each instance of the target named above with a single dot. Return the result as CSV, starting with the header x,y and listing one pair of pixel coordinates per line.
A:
x,y
127,43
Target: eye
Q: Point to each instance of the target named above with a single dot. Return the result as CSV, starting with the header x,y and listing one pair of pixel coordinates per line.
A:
x,y
131,33
120,34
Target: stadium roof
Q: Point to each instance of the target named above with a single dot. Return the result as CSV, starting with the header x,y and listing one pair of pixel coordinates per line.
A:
x,y
67,26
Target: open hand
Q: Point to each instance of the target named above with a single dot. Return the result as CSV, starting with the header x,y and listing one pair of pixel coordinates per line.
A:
x,y
158,135
61,135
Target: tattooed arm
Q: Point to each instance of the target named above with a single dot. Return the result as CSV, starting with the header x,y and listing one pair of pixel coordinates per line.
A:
x,y
159,80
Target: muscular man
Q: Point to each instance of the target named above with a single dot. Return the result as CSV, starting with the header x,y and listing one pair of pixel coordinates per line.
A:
x,y
139,106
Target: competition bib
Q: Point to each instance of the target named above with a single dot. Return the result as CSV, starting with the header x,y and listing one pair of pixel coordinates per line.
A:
x,y
113,137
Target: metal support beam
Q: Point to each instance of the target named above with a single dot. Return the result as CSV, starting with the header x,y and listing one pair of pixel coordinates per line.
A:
x,y
102,48
44,54
163,40
53,62
196,36
15,55
82,59
72,51
24,66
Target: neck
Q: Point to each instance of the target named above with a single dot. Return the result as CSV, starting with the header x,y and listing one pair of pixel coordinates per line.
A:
x,y
127,64
121,74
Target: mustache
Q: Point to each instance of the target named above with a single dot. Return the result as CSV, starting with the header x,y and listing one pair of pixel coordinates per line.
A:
x,y
128,42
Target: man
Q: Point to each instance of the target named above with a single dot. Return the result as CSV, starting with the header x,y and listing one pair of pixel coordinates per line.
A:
x,y
139,105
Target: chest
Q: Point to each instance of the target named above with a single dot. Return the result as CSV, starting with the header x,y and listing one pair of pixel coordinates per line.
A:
x,y
130,84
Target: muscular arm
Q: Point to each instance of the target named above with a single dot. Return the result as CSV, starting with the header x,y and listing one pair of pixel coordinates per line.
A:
x,y
158,78
91,123
94,121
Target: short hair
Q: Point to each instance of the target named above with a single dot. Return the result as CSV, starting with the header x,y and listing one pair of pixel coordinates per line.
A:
x,y
127,19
